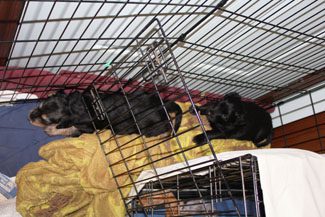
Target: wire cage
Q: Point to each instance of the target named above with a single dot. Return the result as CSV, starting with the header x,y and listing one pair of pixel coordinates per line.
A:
x,y
209,197
150,65
305,132
190,52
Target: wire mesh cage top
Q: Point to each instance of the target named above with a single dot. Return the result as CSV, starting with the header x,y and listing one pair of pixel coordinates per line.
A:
x,y
250,47
189,52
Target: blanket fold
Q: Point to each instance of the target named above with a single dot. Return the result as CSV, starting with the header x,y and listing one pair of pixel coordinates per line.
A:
x,y
77,175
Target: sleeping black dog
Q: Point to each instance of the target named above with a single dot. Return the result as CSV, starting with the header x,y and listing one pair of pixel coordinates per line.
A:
x,y
232,118
66,114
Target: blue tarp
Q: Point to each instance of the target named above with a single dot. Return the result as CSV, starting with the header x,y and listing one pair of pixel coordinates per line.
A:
x,y
19,140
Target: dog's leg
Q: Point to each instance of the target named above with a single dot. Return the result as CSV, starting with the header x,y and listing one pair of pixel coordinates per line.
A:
x,y
74,120
51,130
260,142
201,139
203,110
65,124
85,128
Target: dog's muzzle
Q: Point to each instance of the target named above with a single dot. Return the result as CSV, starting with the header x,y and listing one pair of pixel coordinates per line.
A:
x,y
34,114
35,118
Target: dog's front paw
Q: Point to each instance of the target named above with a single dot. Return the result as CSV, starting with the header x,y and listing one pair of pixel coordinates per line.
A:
x,y
64,125
192,111
51,130
200,139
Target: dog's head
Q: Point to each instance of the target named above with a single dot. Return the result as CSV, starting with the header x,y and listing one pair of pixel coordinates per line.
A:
x,y
226,111
50,111
57,109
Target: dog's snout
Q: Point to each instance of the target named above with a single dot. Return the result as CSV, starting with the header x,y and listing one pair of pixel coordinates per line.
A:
x,y
35,113
35,118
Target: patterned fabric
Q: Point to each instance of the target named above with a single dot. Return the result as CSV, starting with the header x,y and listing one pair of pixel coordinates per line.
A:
x,y
75,178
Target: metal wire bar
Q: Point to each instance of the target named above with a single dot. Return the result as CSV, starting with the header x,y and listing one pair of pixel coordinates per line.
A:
x,y
151,163
278,46
173,130
175,42
286,68
73,39
55,45
243,186
247,90
283,130
184,190
214,54
14,44
118,37
182,151
108,160
198,117
142,139
213,59
89,24
129,45
219,73
316,121
152,15
159,13
126,1
246,56
34,47
257,197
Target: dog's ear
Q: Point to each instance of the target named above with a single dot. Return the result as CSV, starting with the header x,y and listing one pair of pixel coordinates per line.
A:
x,y
232,96
74,97
75,101
57,93
60,92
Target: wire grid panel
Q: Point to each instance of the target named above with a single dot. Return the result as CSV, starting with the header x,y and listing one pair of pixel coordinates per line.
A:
x,y
143,67
252,47
182,198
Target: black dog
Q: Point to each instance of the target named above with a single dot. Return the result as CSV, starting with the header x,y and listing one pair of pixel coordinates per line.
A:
x,y
232,118
67,115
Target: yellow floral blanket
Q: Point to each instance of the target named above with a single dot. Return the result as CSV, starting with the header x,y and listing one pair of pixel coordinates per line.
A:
x,y
75,178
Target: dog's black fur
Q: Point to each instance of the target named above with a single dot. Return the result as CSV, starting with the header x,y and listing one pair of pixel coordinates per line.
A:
x,y
232,118
68,110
